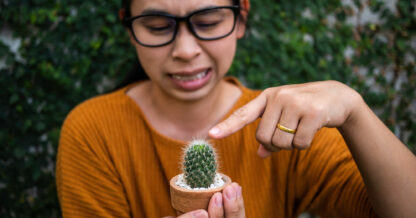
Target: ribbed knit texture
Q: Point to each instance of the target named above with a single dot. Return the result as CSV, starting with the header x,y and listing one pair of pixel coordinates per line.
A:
x,y
112,163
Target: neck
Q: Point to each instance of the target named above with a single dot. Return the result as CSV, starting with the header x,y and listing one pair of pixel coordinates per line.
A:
x,y
184,120
190,115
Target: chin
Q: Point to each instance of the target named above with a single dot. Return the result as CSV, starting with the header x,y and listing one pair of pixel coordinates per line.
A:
x,y
191,96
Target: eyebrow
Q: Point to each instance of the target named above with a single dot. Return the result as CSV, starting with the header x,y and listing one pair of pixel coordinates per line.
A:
x,y
154,11
150,11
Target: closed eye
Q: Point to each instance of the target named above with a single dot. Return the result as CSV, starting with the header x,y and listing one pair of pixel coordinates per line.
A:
x,y
206,25
159,28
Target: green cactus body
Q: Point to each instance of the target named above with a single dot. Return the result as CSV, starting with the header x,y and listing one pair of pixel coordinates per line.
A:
x,y
199,165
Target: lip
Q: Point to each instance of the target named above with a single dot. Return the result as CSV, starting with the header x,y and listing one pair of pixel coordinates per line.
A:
x,y
188,72
191,85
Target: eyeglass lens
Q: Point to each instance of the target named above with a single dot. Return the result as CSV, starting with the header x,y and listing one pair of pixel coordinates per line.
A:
x,y
210,24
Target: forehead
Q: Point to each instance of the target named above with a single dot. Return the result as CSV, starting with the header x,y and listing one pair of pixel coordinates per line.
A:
x,y
174,7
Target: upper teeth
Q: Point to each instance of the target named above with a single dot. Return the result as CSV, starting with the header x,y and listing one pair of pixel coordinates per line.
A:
x,y
188,78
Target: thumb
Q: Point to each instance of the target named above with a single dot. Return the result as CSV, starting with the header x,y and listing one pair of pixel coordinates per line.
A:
x,y
195,214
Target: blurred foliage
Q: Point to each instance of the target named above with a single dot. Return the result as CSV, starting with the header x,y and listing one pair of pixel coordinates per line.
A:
x,y
55,54
368,44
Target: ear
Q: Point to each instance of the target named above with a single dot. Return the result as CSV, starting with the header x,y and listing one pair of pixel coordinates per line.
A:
x,y
122,13
241,25
245,4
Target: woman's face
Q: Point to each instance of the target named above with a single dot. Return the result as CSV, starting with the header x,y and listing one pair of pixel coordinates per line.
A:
x,y
188,68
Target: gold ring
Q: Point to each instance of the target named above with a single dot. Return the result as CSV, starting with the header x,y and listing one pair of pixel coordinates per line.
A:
x,y
285,129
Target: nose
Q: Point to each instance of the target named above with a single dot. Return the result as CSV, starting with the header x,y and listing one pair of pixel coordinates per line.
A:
x,y
185,46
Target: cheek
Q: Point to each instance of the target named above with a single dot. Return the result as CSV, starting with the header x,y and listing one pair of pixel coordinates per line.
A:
x,y
223,52
150,59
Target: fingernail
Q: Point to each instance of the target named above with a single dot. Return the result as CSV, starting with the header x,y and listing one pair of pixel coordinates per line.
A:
x,y
214,131
230,193
218,201
199,214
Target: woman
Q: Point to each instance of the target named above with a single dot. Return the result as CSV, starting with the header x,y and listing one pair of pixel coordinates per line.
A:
x,y
118,151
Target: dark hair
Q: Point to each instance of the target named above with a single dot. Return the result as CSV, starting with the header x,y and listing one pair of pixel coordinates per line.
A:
x,y
137,73
125,4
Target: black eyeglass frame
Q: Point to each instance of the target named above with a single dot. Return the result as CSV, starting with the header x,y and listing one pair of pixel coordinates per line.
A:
x,y
128,22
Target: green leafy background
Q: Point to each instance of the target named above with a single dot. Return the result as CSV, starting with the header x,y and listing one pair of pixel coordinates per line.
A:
x,y
54,54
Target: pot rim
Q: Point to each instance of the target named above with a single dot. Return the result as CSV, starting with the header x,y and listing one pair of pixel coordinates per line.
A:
x,y
224,177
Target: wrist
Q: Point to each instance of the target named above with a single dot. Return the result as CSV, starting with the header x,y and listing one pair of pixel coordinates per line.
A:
x,y
356,113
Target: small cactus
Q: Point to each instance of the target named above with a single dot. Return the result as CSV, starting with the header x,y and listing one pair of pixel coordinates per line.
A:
x,y
199,165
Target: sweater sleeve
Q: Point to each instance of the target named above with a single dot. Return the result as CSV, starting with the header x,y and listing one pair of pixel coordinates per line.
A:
x,y
330,183
87,183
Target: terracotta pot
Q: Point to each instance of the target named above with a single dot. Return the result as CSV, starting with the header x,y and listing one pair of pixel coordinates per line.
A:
x,y
184,200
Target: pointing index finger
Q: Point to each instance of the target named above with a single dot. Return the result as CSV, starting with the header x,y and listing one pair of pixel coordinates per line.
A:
x,y
241,117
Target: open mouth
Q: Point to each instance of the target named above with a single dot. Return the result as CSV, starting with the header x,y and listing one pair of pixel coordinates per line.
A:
x,y
191,82
190,77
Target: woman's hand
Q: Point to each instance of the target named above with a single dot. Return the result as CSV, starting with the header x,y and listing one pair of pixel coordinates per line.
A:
x,y
229,204
308,107
303,107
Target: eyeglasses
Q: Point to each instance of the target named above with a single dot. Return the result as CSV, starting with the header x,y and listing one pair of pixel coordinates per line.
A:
x,y
158,29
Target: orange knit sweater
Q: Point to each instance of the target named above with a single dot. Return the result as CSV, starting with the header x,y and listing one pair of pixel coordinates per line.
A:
x,y
112,163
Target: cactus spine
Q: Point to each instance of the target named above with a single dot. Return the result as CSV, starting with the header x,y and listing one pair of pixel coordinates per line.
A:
x,y
199,165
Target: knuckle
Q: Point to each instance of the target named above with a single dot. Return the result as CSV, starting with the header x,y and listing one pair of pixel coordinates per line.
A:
x,y
284,93
296,102
241,114
233,210
282,143
315,110
301,143
262,137
269,91
275,98
272,93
